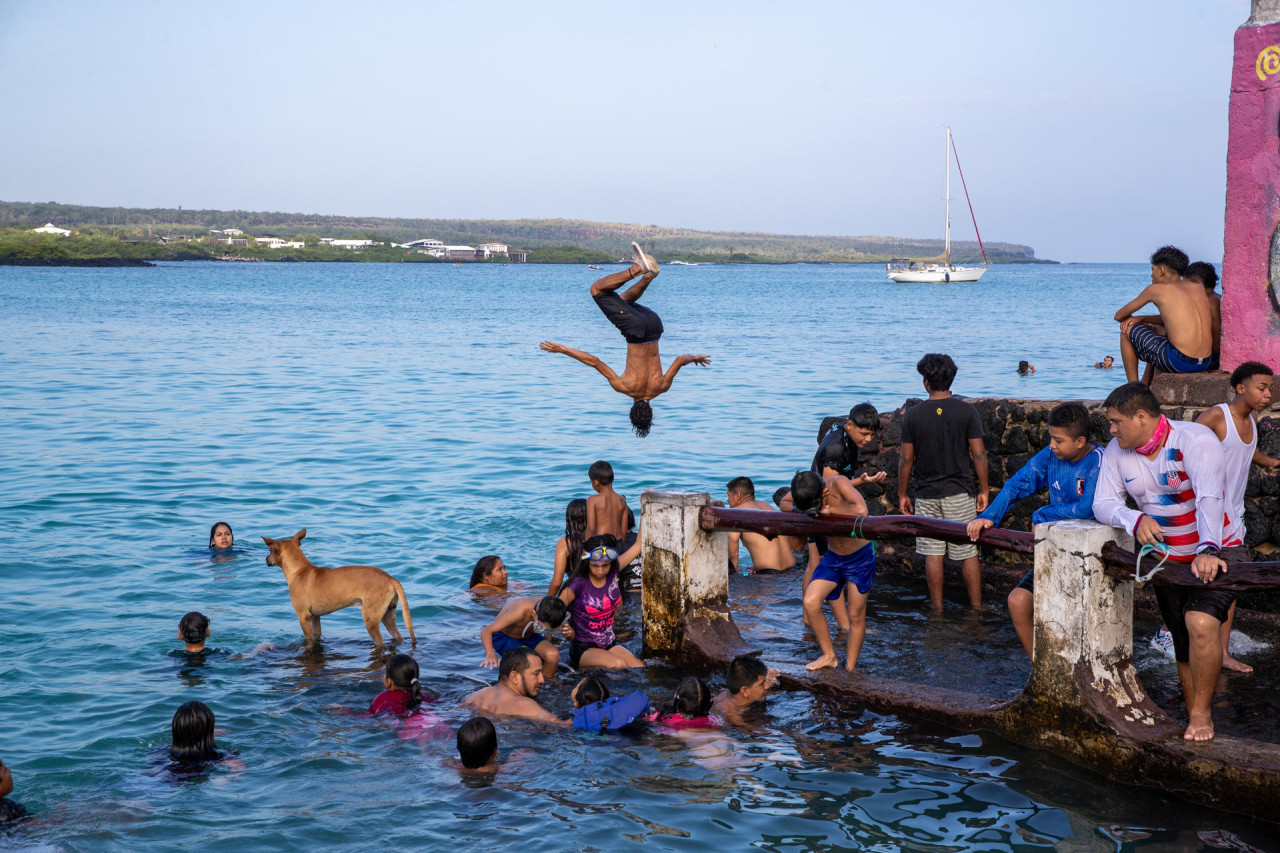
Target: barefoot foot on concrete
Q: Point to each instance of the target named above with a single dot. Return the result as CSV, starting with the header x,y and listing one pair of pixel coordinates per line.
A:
x,y
1200,727
1228,662
824,662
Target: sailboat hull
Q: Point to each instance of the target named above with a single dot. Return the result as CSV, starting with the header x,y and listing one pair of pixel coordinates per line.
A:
x,y
937,275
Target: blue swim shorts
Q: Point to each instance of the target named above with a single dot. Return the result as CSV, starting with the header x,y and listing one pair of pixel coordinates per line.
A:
x,y
858,568
1156,349
502,643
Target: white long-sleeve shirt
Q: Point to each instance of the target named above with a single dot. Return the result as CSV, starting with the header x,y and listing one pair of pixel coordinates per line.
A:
x,y
1181,490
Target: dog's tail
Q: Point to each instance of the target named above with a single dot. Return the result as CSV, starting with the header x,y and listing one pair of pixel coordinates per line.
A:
x,y
404,606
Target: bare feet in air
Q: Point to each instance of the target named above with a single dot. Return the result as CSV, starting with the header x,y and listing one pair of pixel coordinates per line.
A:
x,y
1199,727
1228,662
824,662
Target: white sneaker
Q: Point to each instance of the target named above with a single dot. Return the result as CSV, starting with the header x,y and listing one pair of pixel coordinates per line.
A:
x,y
1163,641
639,258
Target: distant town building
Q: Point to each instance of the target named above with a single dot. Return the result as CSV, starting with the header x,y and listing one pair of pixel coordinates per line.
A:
x,y
270,242
433,252
236,241
425,243
294,244
50,228
493,248
518,257
349,244
463,253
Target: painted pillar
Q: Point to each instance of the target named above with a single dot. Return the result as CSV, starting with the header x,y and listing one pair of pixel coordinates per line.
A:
x,y
686,582
1082,664
1251,241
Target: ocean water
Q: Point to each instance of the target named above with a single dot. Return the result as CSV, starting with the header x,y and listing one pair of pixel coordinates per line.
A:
x,y
405,417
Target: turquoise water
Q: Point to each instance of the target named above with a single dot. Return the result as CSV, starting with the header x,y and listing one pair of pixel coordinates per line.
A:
x,y
404,416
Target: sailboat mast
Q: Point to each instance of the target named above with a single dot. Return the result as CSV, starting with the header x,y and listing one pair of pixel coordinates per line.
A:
x,y
947,252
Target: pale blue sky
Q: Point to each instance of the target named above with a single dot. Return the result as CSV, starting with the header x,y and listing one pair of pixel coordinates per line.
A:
x,y
1093,131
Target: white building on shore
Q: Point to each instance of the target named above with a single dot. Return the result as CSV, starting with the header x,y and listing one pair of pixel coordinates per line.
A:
x,y
50,228
493,248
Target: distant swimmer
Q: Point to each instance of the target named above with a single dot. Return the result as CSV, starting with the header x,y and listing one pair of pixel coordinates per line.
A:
x,y
1180,339
1025,368
643,378
1105,364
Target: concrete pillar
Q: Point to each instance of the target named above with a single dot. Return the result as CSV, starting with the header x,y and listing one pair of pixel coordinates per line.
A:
x,y
1251,239
1082,665
686,583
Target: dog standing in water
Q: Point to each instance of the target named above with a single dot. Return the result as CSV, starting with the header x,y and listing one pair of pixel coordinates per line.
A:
x,y
316,591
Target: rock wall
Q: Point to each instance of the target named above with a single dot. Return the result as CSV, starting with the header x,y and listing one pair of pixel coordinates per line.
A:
x,y
1015,431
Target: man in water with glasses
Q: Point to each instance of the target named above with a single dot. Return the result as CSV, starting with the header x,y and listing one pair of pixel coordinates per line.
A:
x,y
642,379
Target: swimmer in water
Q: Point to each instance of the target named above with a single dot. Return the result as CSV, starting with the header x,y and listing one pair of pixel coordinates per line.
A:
x,y
403,690
747,683
1105,364
767,555
1025,368
193,630
569,553
519,681
593,597
220,537
643,378
606,509
489,576
518,624
690,708
478,746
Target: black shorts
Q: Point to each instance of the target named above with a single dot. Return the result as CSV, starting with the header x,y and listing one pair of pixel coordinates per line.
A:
x,y
1028,582
576,650
1175,601
638,324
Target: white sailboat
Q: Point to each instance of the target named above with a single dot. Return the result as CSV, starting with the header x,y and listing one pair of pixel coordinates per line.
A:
x,y
940,268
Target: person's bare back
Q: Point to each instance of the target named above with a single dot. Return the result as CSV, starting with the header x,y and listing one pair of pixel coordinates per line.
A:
x,y
607,513
501,700
766,554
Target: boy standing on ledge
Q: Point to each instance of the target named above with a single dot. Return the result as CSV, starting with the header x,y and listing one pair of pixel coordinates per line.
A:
x,y
939,439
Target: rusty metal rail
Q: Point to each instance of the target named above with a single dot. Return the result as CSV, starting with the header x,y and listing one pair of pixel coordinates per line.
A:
x,y
1117,562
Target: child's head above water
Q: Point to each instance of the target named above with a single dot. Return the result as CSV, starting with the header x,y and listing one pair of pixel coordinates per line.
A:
x,y
193,734
746,679
220,536
692,699
550,611
402,674
193,629
477,743
588,691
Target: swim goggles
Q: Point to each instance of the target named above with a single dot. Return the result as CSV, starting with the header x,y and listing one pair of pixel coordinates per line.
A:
x,y
602,554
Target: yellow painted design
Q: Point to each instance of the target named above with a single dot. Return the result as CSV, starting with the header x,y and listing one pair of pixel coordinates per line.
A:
x,y
939,410
1268,63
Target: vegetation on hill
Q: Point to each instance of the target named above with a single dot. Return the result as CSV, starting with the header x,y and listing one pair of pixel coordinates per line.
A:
x,y
545,240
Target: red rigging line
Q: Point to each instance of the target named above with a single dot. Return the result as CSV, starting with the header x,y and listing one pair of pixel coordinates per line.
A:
x,y
967,201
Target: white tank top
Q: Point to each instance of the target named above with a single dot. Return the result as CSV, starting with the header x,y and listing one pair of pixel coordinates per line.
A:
x,y
1238,456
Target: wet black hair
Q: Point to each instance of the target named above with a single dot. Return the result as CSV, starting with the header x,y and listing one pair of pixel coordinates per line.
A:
x,y
551,610
742,486
1247,371
483,567
1203,272
806,492
575,525
865,416
214,529
1073,417
641,418
194,627
1023,367
938,371
1171,257
692,699
607,540
601,472
477,742
745,671
516,659
780,493
1131,398
402,672
591,690
631,519
192,729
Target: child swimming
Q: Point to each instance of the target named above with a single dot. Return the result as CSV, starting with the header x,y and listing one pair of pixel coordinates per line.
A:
x,y
403,691
478,746
690,708
9,809
193,630
193,744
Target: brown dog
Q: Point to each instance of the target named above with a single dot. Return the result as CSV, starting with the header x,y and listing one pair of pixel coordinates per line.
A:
x,y
315,591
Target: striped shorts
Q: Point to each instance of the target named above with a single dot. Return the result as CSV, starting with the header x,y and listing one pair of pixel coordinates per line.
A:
x,y
959,507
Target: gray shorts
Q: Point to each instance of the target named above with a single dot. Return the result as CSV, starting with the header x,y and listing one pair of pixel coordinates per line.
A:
x,y
959,507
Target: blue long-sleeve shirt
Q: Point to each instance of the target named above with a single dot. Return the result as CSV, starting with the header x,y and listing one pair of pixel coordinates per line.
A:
x,y
1070,484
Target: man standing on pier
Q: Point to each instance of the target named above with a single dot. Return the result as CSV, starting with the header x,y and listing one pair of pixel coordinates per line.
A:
x,y
1180,339
642,379
1174,471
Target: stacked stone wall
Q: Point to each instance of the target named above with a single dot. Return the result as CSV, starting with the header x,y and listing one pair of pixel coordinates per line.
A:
x,y
1015,431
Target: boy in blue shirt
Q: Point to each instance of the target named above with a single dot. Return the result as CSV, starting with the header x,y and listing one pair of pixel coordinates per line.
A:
x,y
1068,468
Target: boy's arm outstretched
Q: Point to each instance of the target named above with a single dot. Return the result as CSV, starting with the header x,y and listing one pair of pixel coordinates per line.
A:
x,y
679,362
586,358
507,617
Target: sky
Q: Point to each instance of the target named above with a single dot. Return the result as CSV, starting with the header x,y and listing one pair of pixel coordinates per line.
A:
x,y
1092,130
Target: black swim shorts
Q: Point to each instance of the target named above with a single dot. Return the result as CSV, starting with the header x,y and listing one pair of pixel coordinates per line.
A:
x,y
1028,582
1154,348
1175,601
638,324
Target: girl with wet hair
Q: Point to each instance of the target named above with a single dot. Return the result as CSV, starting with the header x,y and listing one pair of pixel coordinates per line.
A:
x,y
690,707
569,549
588,691
221,537
192,729
403,690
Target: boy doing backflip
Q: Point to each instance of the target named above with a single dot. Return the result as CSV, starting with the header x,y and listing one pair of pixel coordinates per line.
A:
x,y
849,564
1068,468
642,379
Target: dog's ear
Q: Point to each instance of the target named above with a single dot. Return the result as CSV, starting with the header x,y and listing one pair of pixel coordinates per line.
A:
x,y
269,542
300,535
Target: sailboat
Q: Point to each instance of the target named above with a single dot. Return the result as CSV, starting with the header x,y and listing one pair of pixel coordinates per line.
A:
x,y
940,268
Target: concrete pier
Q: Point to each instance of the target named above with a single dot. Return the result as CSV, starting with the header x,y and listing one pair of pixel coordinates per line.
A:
x,y
686,583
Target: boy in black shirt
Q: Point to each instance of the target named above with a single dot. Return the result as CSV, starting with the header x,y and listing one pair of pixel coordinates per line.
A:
x,y
838,451
939,438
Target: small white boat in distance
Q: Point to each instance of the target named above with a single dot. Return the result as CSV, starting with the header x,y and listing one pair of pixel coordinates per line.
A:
x,y
940,268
